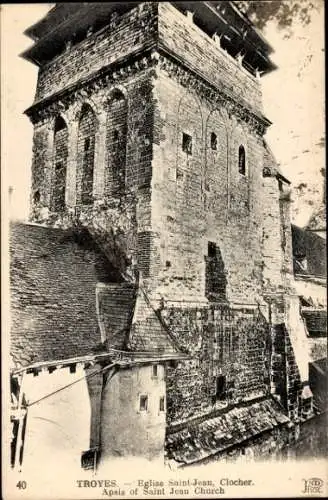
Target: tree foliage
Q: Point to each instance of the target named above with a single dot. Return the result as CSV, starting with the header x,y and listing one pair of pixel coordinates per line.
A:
x,y
284,12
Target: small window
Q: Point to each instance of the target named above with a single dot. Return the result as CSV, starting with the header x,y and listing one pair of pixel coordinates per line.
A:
x,y
221,387
36,196
87,144
116,135
242,160
143,403
211,251
155,371
214,141
162,404
187,143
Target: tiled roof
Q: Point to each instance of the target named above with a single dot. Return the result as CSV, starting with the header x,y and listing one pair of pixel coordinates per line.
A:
x,y
318,378
148,333
115,306
308,245
66,300
129,323
197,441
316,322
317,221
53,276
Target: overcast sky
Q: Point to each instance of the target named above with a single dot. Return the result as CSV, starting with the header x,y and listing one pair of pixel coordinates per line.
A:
x,y
293,100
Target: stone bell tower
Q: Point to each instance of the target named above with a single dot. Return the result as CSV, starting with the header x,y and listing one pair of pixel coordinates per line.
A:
x,y
149,131
148,128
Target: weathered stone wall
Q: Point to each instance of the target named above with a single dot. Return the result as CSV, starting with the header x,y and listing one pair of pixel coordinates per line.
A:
x,y
285,376
116,197
171,203
200,197
221,342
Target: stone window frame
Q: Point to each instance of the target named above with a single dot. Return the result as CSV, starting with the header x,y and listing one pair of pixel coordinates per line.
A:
x,y
143,405
154,371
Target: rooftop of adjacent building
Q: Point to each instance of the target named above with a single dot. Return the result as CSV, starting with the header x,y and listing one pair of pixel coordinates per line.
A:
x,y
309,254
317,222
73,22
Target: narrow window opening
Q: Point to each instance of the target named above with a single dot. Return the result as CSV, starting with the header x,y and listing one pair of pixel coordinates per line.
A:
x,y
36,197
211,251
214,141
143,403
168,263
187,143
86,155
162,404
72,368
242,160
155,371
87,144
220,387
215,275
116,135
60,165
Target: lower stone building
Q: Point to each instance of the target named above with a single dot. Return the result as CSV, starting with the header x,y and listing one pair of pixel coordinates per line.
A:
x,y
98,373
88,355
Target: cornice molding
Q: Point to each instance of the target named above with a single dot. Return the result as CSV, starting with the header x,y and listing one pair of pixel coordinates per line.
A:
x,y
110,75
218,97
152,57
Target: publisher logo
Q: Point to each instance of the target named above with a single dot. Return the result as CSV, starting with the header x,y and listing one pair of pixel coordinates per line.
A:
x,y
313,485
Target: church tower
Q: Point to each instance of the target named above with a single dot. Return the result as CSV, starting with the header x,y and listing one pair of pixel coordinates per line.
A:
x,y
149,131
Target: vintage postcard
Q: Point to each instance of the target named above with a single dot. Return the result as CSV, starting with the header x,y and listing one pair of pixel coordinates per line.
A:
x,y
163,250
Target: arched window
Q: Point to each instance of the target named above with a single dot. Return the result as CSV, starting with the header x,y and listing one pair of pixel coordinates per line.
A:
x,y
86,155
116,143
242,160
60,164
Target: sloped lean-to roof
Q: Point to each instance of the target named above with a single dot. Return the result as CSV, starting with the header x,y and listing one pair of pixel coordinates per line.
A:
x,y
309,253
53,276
68,301
129,323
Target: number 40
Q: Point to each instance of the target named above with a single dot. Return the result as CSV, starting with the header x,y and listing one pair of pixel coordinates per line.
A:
x,y
21,485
